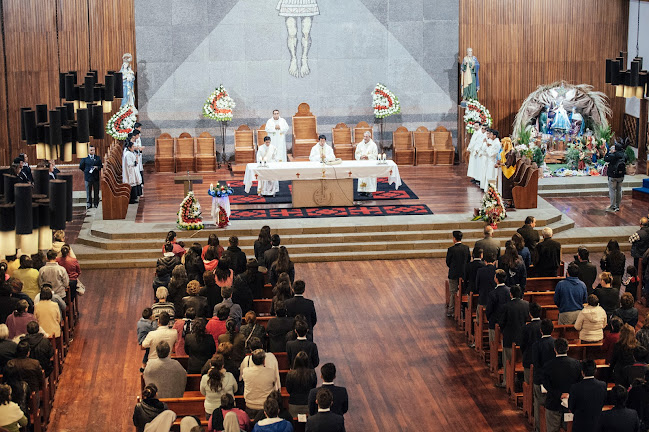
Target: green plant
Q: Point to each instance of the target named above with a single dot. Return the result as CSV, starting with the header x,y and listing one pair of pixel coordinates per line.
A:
x,y
630,155
604,133
525,136
572,157
537,156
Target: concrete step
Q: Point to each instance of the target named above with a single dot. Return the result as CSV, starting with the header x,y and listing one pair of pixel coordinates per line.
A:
x,y
592,191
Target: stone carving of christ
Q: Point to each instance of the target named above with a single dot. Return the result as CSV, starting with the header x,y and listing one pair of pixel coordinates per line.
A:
x,y
304,10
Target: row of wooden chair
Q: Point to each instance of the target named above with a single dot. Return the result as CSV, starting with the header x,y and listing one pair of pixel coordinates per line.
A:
x,y
185,153
422,146
115,195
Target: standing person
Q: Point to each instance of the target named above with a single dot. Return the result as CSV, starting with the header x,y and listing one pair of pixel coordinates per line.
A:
x,y
91,167
213,240
640,241
457,258
322,152
512,321
497,299
262,244
325,420
531,335
514,267
366,150
55,275
614,262
236,256
267,153
488,244
507,163
472,149
523,251
558,376
491,159
258,381
591,321
608,295
276,128
548,255
587,270
623,353
570,295
130,173
137,145
71,266
341,399
530,235
542,353
283,264
471,287
587,399
620,418
300,380
25,167
616,170
485,280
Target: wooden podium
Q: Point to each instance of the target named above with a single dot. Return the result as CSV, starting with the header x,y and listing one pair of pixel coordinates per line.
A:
x,y
188,181
323,192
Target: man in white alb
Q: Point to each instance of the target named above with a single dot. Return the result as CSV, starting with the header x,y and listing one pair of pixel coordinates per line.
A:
x,y
276,128
267,153
472,149
367,150
491,159
322,152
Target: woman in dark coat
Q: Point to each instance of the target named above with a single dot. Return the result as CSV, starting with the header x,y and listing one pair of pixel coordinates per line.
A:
x,y
199,346
148,408
614,262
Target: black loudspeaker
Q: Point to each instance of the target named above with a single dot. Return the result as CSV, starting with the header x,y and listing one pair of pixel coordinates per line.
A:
x,y
57,204
68,178
22,122
41,113
97,91
635,73
43,212
63,112
97,126
61,85
55,128
7,217
83,126
24,216
109,94
69,106
70,83
119,86
41,180
9,181
35,216
29,119
3,171
88,86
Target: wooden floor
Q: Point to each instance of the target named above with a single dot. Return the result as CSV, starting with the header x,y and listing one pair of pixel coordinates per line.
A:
x,y
590,211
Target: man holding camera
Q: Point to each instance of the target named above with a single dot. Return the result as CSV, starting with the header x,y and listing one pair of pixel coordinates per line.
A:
x,y
616,171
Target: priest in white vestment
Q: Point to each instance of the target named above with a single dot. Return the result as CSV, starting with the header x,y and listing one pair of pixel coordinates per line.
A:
x,y
492,156
267,153
367,150
276,128
322,152
130,172
472,149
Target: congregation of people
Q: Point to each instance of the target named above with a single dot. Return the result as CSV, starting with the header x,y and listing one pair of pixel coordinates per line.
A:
x,y
570,390
205,320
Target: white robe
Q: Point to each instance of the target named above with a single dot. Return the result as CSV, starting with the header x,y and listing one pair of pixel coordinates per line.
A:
x,y
322,153
138,146
492,156
278,137
268,154
473,148
130,171
369,149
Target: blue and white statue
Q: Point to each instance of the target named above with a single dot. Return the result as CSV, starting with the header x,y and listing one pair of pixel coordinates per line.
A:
x,y
561,121
470,82
128,80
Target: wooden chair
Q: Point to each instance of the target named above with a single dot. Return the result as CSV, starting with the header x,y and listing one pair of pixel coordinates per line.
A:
x,y
423,146
359,131
525,194
205,152
341,139
261,134
244,145
164,153
403,151
305,131
444,152
185,155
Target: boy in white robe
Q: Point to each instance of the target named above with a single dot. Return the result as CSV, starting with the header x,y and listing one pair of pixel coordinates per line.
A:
x,y
366,150
130,172
276,128
322,152
267,153
492,157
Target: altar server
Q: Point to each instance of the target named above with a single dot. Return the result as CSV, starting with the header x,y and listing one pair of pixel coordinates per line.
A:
x,y
276,128
480,156
492,157
130,172
367,150
472,149
267,153
322,152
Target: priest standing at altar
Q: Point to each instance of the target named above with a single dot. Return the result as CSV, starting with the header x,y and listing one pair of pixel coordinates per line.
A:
x,y
367,150
267,153
322,152
276,128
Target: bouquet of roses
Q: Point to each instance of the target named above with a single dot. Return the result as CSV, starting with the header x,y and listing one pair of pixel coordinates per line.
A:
x,y
219,105
385,102
220,190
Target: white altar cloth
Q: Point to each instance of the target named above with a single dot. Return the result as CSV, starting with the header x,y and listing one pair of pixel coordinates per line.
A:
x,y
314,171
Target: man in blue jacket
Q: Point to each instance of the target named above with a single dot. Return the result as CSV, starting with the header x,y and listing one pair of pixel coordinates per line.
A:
x,y
91,166
570,295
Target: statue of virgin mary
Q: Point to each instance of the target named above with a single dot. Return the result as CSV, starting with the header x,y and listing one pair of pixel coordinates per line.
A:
x,y
128,80
470,81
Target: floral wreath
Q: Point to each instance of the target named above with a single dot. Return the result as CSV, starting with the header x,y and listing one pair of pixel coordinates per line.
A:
x,y
476,112
492,208
385,102
219,105
121,123
189,215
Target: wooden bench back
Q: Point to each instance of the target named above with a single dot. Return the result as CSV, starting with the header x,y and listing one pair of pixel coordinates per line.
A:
x,y
422,138
304,123
360,130
441,138
205,144
261,134
341,134
164,146
402,138
244,138
185,146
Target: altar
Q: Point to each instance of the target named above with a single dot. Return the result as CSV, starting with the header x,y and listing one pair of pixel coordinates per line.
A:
x,y
319,185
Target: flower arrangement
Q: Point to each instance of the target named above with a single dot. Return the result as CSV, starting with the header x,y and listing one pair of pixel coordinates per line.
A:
x,y
121,123
492,208
223,219
220,190
476,112
219,105
189,215
385,102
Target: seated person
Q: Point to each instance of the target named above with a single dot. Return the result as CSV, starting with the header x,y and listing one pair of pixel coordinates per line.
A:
x,y
199,346
162,333
166,373
215,383
322,152
195,300
12,418
162,305
258,381
40,347
148,408
272,422
277,328
220,415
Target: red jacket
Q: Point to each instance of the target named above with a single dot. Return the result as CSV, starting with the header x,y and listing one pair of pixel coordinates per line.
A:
x,y
71,265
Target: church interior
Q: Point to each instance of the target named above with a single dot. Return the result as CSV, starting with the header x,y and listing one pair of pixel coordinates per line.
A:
x,y
312,215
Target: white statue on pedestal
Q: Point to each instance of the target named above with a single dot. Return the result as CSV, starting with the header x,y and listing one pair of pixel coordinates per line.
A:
x,y
128,80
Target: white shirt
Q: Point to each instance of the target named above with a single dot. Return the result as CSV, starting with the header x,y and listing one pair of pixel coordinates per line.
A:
x,y
322,153
154,337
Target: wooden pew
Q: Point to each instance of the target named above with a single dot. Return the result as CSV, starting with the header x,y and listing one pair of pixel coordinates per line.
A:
x,y
481,333
164,153
267,292
244,145
444,152
423,146
495,352
185,153
262,307
115,195
305,131
514,371
542,283
341,140
206,152
469,317
525,193
561,271
402,150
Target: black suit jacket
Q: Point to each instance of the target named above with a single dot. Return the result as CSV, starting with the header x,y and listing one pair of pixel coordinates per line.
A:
x,y
530,235
28,173
485,283
298,305
542,353
86,164
270,256
496,302
457,257
531,335
488,244
513,318
325,422
619,420
341,400
558,376
586,400
237,259
276,330
548,258
587,274
295,346
470,276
